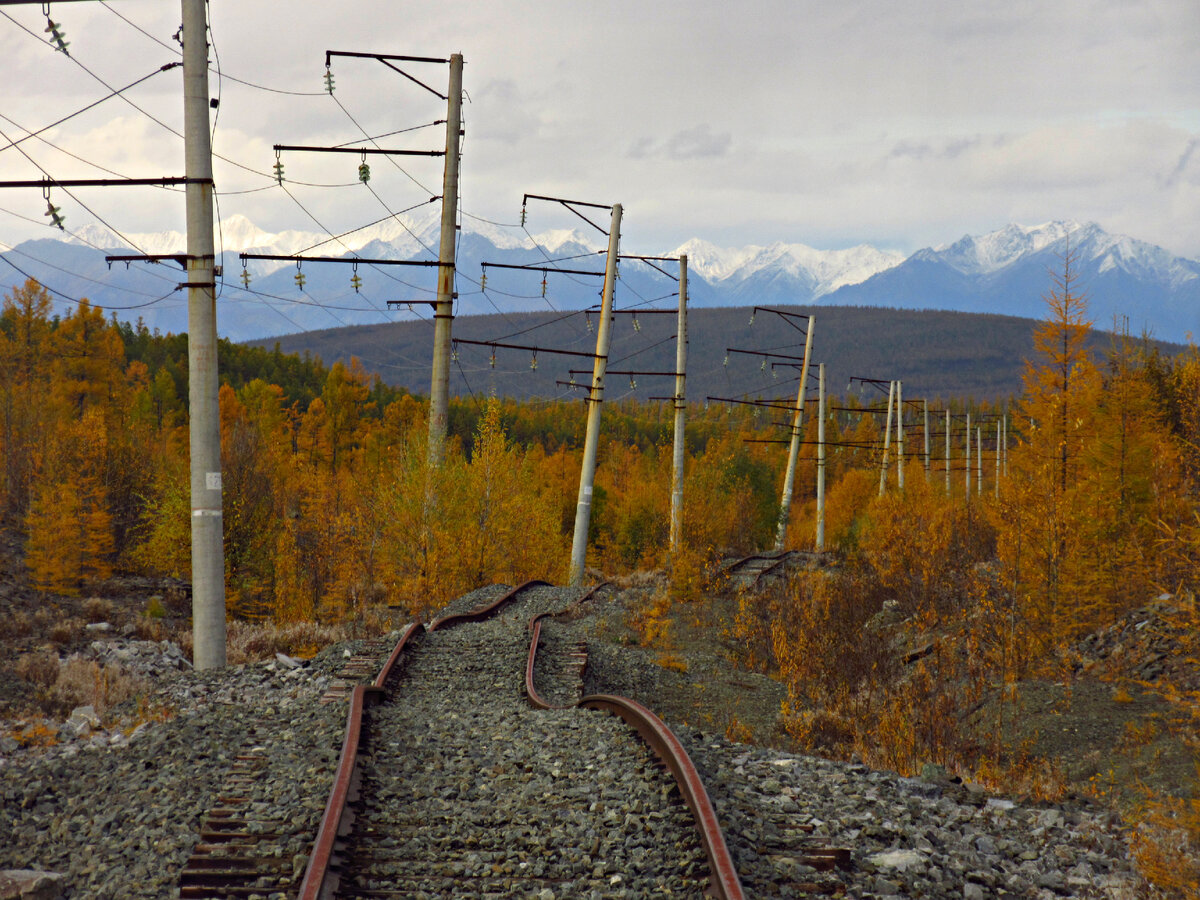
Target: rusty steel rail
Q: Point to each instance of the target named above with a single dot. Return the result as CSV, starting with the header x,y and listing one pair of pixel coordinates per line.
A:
x,y
535,699
319,881
485,612
535,628
725,884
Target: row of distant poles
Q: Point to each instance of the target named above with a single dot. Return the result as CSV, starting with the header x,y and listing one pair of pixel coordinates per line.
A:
x,y
208,588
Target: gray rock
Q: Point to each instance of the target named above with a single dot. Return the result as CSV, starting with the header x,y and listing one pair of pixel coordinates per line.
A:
x,y
30,884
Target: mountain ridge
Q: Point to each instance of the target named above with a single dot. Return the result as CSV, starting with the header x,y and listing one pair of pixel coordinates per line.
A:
x,y
1005,271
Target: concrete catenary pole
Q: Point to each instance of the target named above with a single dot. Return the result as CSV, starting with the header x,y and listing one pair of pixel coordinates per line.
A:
x,y
1004,419
978,460
680,407
999,438
789,478
948,487
439,391
887,439
821,458
900,435
928,458
204,429
587,477
967,457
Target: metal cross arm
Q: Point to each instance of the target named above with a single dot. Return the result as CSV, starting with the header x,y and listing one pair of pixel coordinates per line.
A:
x,y
779,404
860,409
102,182
764,353
487,265
387,59
526,347
279,148
620,372
346,259
569,204
180,258
786,316
651,260
880,383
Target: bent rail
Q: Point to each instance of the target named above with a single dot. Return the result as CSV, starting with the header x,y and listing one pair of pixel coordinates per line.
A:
x,y
535,699
484,612
317,876
725,882
386,671
320,881
535,627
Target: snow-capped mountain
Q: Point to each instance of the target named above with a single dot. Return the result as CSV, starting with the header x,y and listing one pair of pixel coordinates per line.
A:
x,y
1127,282
1004,271
745,271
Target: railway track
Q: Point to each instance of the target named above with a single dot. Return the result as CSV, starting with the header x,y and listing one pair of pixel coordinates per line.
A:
x,y
456,782
750,572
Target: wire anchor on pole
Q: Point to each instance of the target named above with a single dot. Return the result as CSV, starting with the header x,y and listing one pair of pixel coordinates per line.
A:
x,y
278,168
328,79
299,277
245,276
355,278
364,171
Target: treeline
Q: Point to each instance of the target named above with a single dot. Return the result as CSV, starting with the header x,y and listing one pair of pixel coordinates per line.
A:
x,y
327,502
328,505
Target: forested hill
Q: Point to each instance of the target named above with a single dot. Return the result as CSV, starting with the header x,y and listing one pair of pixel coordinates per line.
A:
x,y
935,353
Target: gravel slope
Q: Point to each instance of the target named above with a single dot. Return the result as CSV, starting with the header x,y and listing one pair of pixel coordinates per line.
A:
x,y
117,816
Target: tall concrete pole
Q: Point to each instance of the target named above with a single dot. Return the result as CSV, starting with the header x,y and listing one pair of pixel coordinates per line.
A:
x,y
967,457
979,460
948,488
789,478
928,458
587,477
204,429
1004,419
439,391
680,406
821,458
887,439
900,435
999,438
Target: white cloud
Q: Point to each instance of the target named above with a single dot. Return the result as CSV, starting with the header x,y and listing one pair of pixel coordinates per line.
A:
x,y
797,120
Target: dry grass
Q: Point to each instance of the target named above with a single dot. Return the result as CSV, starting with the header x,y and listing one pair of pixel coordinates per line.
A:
x,y
249,642
63,685
39,669
84,682
66,631
98,609
17,624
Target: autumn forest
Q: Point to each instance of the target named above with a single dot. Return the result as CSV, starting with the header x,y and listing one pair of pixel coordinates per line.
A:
x,y
329,511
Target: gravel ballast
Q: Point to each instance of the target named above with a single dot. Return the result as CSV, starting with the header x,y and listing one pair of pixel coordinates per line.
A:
x,y
118,815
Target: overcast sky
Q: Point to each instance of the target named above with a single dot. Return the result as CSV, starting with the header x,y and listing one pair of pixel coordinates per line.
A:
x,y
897,124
